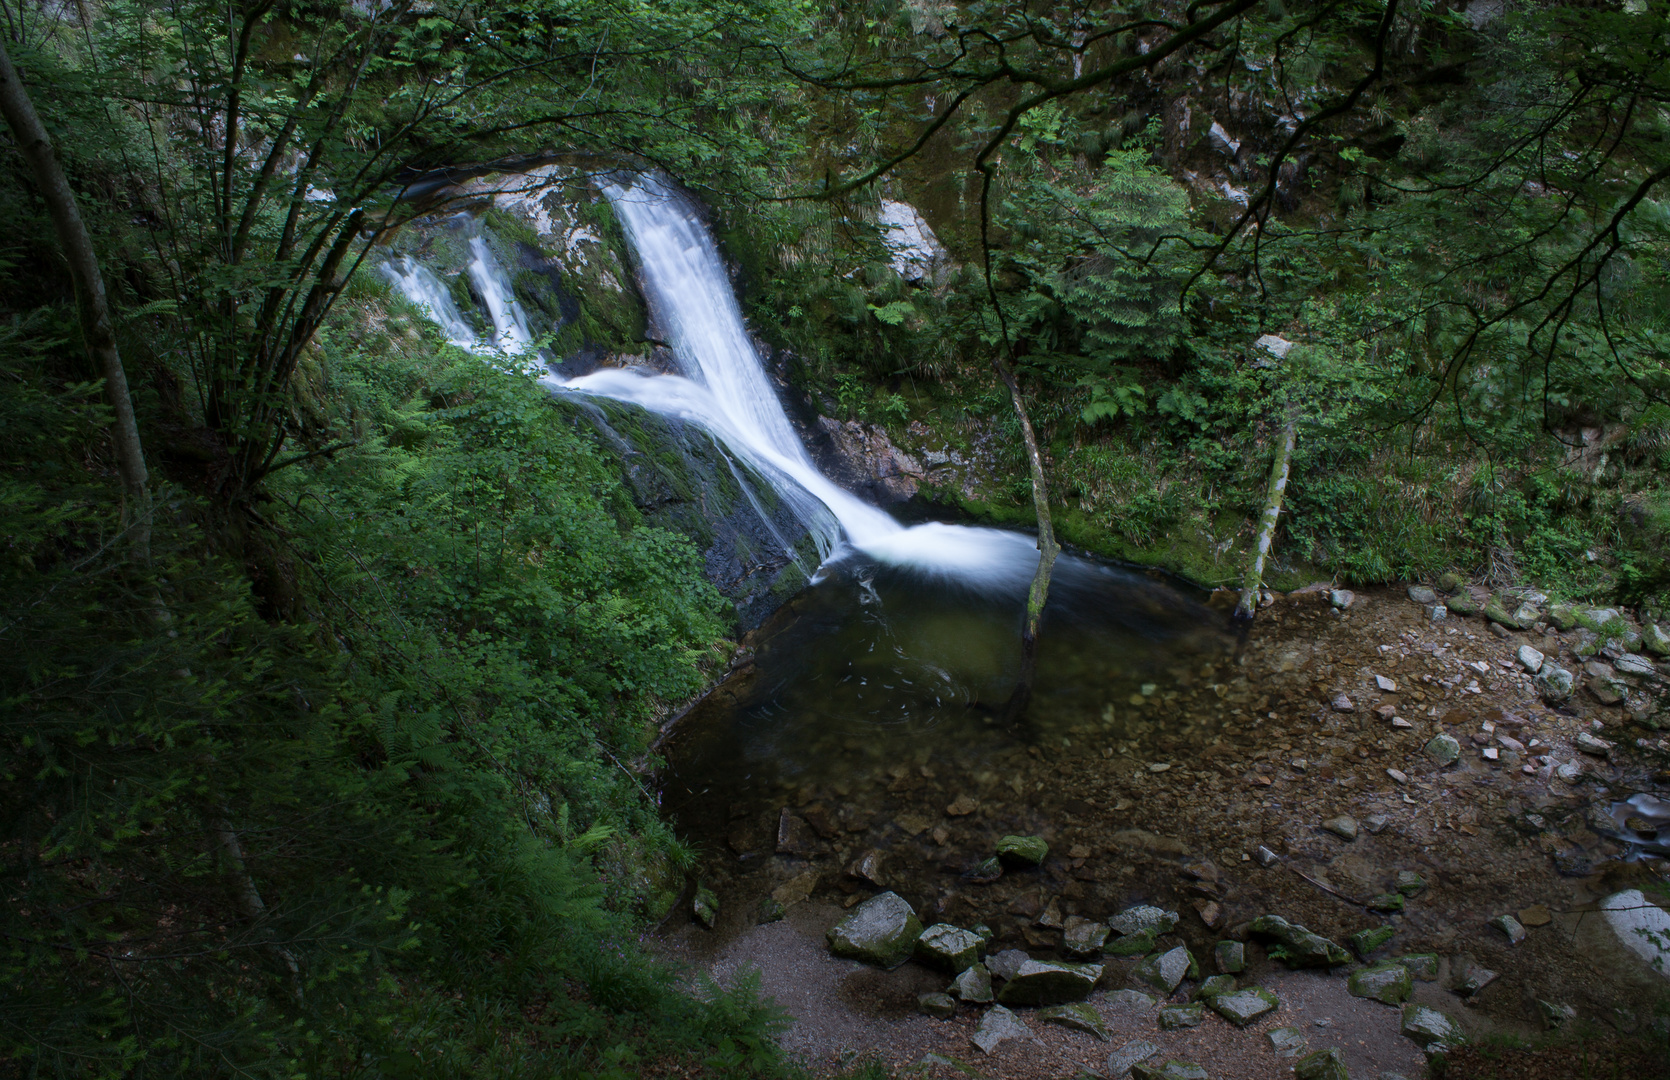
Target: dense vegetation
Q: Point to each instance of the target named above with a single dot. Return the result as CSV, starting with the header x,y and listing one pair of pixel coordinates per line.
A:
x,y
342,776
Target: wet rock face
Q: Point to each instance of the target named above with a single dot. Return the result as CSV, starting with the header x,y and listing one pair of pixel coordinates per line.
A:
x,y
883,930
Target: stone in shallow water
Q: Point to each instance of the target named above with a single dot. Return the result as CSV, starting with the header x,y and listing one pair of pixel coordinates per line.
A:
x,y
1389,983
1298,946
881,931
1287,1042
1079,1017
1173,1017
1049,982
974,985
1321,1065
985,872
1364,942
946,946
1083,939
1430,1029
1121,1060
1344,827
998,1026
1134,920
1006,963
1244,1006
1230,956
1171,1070
1165,971
1027,850
867,868
939,1006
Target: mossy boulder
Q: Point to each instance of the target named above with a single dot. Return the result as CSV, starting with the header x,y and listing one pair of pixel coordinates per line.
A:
x,y
1389,982
1295,946
1244,1006
883,931
945,946
1022,850
1365,942
1050,982
1321,1065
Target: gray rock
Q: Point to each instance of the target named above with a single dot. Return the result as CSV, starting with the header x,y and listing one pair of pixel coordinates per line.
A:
x,y
1083,939
1570,772
1526,614
1027,850
1468,978
1121,1060
867,868
1173,1017
1079,1017
1424,966
1630,664
1132,999
1321,1065
1049,982
998,1026
946,946
1588,744
1562,616
1530,659
1287,1042
1230,956
1171,1070
1004,964
705,907
1655,640
973,985
881,931
1134,920
1244,1006
1164,972
939,1006
1430,1029
1211,988
1554,1015
1389,983
1422,594
1554,683
1608,690
1409,883
1265,857
1343,826
1443,749
1376,823
1137,944
1509,926
1344,704
1437,612
1495,612
1298,946
1341,598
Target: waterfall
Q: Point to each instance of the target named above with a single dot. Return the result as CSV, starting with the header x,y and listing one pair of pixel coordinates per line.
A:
x,y
723,387
420,285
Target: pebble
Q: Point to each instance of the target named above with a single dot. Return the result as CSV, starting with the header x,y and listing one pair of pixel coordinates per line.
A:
x,y
1342,703
1386,684
1490,753
1509,926
1530,659
1343,826
963,806
1398,775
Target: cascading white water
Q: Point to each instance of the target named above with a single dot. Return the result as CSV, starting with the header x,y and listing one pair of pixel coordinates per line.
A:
x,y
723,387
420,285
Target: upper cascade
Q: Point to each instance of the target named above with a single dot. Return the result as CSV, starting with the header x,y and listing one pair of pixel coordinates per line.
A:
x,y
723,386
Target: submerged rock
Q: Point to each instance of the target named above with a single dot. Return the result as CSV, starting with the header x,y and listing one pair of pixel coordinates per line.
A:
x,y
1296,946
1389,982
1244,1006
998,1026
947,946
1048,982
973,985
881,931
1078,1017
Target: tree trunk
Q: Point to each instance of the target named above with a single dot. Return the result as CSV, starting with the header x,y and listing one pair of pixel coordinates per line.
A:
x,y
1039,594
1254,579
91,303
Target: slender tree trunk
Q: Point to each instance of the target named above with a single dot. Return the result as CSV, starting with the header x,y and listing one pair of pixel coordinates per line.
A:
x,y
1254,578
91,303
1038,595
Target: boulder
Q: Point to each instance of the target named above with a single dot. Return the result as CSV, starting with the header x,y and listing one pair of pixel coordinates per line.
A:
x,y
1164,972
1421,594
881,931
998,1026
1079,1017
1132,999
1366,942
1049,982
1230,957
1430,1029
1121,1060
1295,945
1497,612
1083,939
1211,988
1389,983
939,1006
1006,963
1608,689
946,946
1134,920
1588,744
1244,1006
1655,640
1630,664
1287,1042
1321,1065
1530,659
1173,1017
1341,598
1138,944
1443,749
1023,850
1462,603
1642,927
705,907
973,985
1171,1070
1554,683
1562,616
1344,827
1526,614
1424,966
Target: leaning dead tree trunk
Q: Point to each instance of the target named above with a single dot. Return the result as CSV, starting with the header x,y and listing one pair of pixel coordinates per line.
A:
x,y
91,302
1254,578
1038,595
